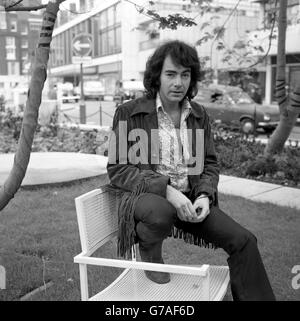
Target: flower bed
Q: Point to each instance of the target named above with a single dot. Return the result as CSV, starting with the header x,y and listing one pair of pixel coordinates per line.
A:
x,y
237,155
242,157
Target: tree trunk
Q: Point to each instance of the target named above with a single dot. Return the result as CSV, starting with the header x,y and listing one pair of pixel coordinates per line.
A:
x,y
289,107
30,117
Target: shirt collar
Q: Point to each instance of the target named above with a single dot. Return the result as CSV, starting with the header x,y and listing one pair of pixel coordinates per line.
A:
x,y
186,106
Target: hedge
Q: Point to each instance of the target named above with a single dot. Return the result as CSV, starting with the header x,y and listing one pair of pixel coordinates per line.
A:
x,y
237,155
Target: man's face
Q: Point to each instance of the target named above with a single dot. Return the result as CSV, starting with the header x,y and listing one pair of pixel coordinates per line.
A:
x,y
174,81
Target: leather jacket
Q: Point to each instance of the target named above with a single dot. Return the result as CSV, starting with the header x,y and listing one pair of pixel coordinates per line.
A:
x,y
134,178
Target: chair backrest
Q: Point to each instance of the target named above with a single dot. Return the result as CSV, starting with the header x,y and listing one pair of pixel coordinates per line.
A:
x,y
97,218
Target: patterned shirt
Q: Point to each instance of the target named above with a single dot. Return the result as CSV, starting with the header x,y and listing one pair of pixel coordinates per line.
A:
x,y
173,146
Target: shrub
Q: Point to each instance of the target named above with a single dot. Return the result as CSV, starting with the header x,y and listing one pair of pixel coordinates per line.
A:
x,y
2,103
10,123
237,155
243,156
261,165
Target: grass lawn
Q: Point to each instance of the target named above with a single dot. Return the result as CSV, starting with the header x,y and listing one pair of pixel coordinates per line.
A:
x,y
39,238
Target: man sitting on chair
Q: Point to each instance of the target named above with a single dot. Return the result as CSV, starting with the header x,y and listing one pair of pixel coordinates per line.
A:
x,y
162,157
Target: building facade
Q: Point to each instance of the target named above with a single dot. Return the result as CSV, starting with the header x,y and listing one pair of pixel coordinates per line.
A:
x,y
124,38
261,38
19,32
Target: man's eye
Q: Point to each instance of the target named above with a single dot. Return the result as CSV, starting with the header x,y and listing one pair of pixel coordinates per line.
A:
x,y
186,75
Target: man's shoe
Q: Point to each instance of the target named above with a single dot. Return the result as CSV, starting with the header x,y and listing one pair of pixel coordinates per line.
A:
x,y
153,255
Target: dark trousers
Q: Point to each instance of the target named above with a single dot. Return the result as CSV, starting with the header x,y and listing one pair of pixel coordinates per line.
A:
x,y
155,217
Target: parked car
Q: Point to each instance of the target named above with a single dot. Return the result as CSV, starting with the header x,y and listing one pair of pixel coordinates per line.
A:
x,y
64,92
130,89
92,89
233,107
70,99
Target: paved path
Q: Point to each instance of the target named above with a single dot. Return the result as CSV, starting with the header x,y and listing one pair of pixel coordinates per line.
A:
x,y
47,168
260,191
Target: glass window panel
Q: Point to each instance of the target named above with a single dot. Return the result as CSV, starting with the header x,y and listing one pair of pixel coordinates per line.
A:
x,y
111,41
103,44
13,25
110,16
11,53
118,13
24,28
35,26
103,19
82,27
24,43
118,39
3,24
10,41
13,68
24,55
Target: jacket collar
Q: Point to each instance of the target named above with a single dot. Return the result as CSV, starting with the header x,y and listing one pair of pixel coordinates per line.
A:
x,y
143,105
148,106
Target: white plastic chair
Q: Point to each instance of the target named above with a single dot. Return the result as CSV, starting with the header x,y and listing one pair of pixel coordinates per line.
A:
x,y
97,220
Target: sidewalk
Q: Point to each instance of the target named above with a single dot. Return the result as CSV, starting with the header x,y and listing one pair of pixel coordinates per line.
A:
x,y
49,168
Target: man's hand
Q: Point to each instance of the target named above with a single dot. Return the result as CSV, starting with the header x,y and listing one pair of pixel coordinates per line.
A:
x,y
202,204
185,210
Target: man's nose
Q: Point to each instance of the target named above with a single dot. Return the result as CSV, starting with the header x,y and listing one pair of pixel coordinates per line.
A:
x,y
178,81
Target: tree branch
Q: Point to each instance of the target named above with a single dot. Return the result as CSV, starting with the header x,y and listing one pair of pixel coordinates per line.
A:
x,y
43,6
34,98
14,4
33,8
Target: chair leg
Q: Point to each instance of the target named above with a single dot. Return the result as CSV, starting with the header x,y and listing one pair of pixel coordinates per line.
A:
x,y
2,278
83,282
206,286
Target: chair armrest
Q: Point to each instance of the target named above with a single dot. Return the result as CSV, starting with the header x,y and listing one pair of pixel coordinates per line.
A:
x,y
180,269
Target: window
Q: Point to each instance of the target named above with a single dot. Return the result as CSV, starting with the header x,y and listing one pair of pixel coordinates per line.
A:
x,y
13,68
103,44
110,16
13,25
24,43
11,53
294,78
24,55
240,97
103,19
216,97
24,28
118,13
3,24
292,14
118,39
83,26
10,41
111,41
35,25
10,48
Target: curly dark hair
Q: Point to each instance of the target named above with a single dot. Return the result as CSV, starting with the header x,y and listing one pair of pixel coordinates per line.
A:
x,y
181,54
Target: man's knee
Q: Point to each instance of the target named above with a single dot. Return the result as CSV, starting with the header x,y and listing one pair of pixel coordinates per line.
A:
x,y
241,239
156,212
165,217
